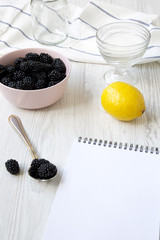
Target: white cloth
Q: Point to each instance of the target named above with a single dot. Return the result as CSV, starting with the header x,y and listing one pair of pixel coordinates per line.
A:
x,y
16,29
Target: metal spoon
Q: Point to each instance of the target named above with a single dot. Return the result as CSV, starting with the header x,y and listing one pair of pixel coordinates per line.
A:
x,y
16,123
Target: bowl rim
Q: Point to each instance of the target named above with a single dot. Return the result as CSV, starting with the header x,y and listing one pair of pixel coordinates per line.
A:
x,y
120,23
39,49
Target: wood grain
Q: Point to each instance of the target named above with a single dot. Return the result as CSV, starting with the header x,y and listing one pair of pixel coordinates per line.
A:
x,y
25,203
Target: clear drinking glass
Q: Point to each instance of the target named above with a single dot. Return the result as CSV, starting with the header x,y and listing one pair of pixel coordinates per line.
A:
x,y
122,44
49,20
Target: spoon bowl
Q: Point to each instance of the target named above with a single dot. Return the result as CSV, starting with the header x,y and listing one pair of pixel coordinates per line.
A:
x,y
40,179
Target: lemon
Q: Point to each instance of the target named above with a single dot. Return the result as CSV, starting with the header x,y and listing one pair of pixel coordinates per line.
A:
x,y
123,101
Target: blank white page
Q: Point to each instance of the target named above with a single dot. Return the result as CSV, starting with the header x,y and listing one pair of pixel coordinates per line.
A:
x,y
106,193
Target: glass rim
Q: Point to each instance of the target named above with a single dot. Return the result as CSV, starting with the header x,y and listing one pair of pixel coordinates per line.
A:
x,y
124,22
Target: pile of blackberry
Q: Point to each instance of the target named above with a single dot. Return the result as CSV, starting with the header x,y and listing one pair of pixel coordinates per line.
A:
x,y
34,71
42,169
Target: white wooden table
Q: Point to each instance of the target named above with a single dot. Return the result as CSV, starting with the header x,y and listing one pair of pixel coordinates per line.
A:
x,y
25,203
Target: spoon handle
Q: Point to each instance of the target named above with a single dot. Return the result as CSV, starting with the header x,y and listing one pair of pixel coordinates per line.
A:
x,y
16,123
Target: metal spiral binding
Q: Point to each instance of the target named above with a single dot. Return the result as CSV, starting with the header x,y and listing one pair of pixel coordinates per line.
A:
x,y
120,145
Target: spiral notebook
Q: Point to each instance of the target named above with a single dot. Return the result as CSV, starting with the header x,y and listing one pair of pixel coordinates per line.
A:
x,y
108,191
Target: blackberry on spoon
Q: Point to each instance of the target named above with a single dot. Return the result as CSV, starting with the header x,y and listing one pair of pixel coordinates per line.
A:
x,y
40,169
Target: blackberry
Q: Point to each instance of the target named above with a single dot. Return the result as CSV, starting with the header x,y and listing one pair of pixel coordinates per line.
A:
x,y
18,75
2,67
19,84
41,76
12,84
33,171
56,76
6,80
47,67
52,83
3,73
17,61
59,65
12,166
24,66
28,83
37,162
47,170
40,84
9,68
45,58
35,66
32,56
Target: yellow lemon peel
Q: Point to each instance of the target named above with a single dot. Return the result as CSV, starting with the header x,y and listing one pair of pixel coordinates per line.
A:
x,y
123,101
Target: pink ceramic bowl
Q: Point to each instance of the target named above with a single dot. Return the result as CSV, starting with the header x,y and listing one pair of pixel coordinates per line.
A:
x,y
34,99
